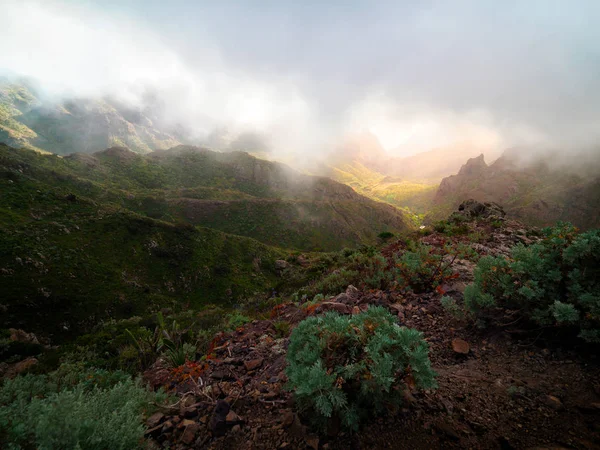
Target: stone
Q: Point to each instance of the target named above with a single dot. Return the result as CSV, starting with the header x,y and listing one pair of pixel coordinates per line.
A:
x,y
21,367
236,429
218,423
253,364
553,402
337,307
22,336
287,419
460,346
280,264
188,412
189,434
155,419
397,308
312,441
352,291
232,418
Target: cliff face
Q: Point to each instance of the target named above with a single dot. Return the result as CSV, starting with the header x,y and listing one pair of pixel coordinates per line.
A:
x,y
535,193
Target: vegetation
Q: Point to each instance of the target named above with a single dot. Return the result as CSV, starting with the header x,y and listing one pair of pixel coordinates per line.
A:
x,y
555,282
73,408
344,368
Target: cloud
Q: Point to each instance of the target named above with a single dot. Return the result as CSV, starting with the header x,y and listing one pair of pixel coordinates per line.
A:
x,y
418,75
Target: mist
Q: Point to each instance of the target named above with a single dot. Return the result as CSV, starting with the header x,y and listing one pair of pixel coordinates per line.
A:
x,y
418,76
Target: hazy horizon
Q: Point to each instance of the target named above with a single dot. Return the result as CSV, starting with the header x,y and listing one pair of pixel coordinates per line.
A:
x,y
433,75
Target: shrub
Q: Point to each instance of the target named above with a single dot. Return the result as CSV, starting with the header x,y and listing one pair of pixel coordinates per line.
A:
x,y
72,409
343,368
553,282
238,320
424,268
450,305
385,236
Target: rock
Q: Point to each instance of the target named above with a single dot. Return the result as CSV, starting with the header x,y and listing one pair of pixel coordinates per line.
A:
x,y
218,422
280,264
352,291
219,374
166,427
185,423
236,429
157,375
337,307
188,412
396,308
287,419
552,402
22,336
21,367
253,364
232,418
312,441
155,419
471,209
447,430
189,434
460,346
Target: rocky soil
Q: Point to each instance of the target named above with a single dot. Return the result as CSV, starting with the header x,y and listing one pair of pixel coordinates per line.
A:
x,y
501,388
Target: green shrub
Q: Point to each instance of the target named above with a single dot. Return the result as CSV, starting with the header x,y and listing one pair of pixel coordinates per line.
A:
x,y
385,236
237,320
423,267
450,305
343,368
71,409
553,282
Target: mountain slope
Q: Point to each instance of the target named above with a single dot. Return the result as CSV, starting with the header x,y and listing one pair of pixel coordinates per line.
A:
x,y
76,125
69,256
534,193
233,192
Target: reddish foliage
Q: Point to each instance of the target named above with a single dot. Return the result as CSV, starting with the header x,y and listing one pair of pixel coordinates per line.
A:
x,y
191,370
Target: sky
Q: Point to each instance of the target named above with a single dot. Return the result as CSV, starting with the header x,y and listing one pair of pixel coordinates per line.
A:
x,y
418,75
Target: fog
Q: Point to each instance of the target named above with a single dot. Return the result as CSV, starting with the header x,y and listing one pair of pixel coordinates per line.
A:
x,y
418,75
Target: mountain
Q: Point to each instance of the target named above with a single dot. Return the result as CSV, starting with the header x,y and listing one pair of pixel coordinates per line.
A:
x,y
70,255
533,192
232,192
77,124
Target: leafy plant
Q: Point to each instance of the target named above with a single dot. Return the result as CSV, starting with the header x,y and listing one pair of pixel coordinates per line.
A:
x,y
424,268
167,340
73,409
343,368
238,320
553,282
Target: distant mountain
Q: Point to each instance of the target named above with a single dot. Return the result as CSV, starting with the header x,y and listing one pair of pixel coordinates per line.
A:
x,y
232,192
534,192
78,124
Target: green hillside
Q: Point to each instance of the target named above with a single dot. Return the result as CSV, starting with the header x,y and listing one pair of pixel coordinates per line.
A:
x,y
70,257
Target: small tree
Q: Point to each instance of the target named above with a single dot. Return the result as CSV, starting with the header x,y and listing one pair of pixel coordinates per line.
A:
x,y
343,368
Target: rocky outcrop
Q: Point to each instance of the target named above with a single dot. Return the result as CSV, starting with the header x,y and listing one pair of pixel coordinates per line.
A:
x,y
532,192
472,209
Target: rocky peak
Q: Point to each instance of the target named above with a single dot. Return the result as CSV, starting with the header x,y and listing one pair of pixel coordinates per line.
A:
x,y
474,166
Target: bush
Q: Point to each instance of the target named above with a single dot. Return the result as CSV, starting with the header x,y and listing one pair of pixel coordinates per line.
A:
x,y
424,268
71,409
343,368
553,282
237,320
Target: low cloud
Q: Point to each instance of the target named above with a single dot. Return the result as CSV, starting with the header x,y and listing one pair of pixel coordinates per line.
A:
x,y
432,74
